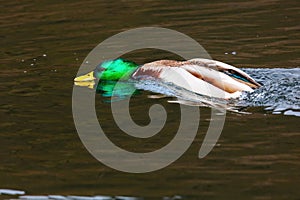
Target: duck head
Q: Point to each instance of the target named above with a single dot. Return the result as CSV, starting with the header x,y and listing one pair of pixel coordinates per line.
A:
x,y
110,70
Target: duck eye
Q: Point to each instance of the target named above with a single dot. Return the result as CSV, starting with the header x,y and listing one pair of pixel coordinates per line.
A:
x,y
100,69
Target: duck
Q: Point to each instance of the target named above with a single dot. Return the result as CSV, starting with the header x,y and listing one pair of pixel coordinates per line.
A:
x,y
199,75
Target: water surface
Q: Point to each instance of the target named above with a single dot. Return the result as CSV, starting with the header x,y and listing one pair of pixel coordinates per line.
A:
x,y
44,42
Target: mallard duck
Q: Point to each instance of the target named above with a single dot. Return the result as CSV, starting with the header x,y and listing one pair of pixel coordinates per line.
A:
x,y
202,76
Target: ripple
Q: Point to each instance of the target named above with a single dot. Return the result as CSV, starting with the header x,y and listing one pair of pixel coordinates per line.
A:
x,y
280,93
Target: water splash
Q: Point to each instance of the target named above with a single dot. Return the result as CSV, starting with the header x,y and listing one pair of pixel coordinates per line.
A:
x,y
182,95
280,93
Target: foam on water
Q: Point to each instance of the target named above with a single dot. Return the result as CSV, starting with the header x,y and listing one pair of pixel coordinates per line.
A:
x,y
280,93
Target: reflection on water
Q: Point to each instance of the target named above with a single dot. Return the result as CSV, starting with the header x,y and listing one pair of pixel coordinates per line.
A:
x,y
257,156
20,195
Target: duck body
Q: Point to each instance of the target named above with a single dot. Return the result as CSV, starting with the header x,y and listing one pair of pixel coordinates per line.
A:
x,y
202,76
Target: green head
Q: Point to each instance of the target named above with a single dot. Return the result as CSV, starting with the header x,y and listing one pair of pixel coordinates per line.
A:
x,y
113,70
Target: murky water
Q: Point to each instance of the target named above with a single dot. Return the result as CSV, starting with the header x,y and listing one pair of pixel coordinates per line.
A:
x,y
42,45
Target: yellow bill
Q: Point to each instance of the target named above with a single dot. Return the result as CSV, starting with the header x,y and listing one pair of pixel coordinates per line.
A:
x,y
86,80
86,77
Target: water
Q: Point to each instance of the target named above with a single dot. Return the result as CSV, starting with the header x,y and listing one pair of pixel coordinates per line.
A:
x,y
257,155
280,93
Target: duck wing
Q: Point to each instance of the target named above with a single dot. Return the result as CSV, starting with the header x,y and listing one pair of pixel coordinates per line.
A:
x,y
230,70
191,76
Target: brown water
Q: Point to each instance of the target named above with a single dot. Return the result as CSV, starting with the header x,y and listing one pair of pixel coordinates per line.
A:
x,y
257,156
